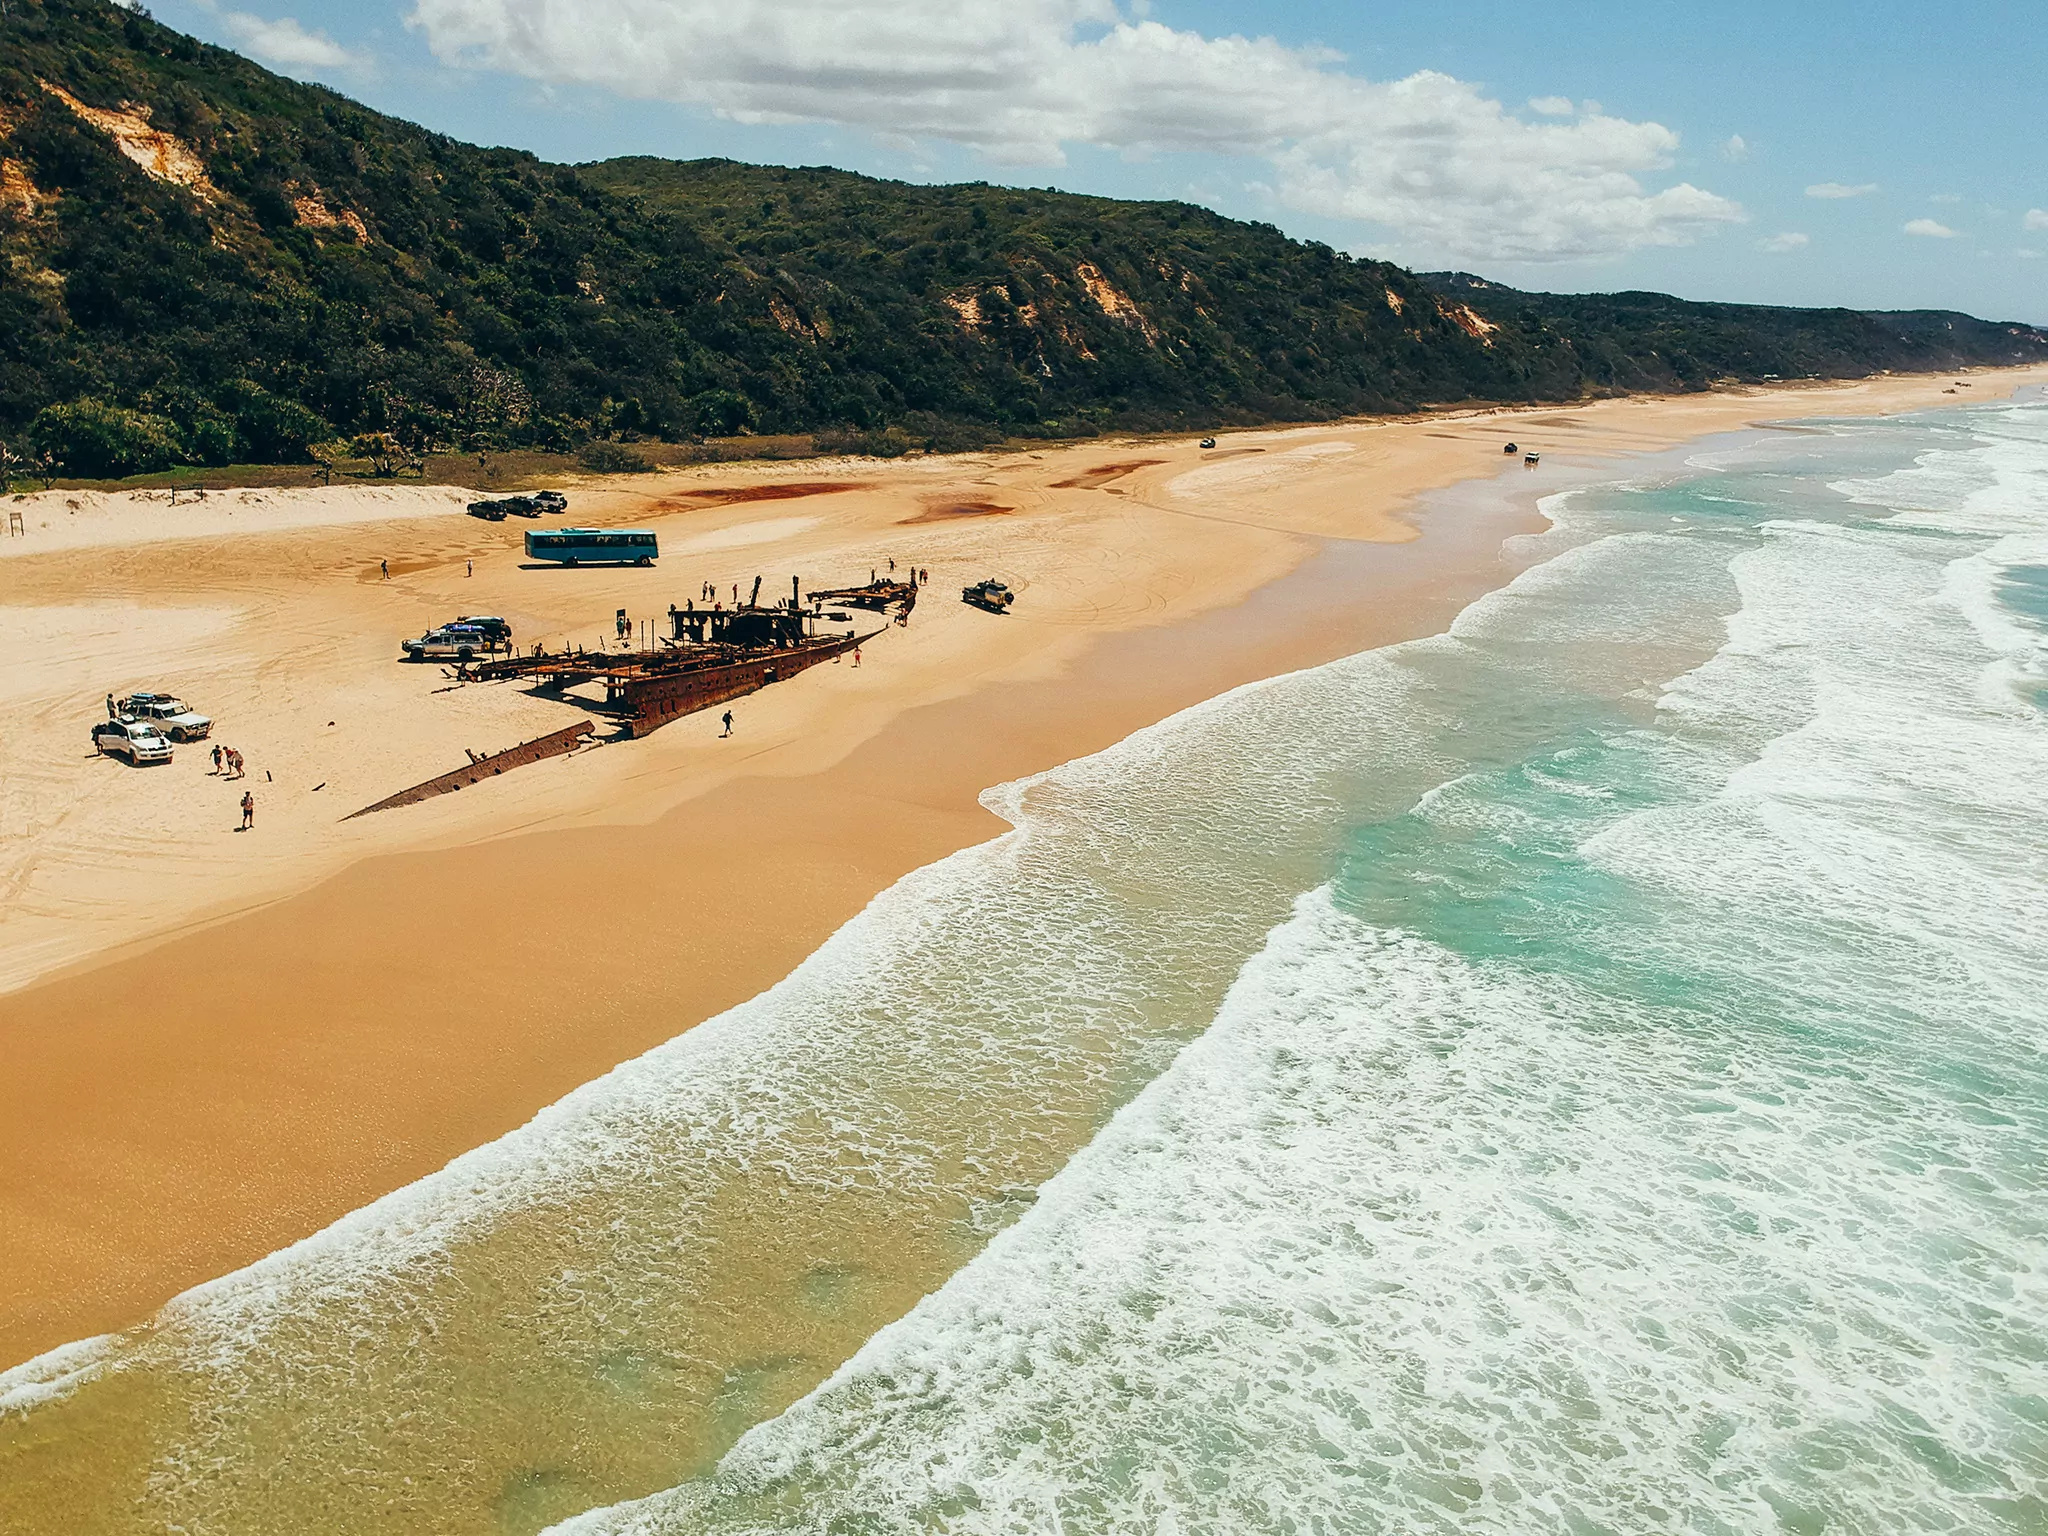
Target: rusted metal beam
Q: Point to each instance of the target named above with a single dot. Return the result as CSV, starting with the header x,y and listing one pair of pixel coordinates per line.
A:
x,y
554,744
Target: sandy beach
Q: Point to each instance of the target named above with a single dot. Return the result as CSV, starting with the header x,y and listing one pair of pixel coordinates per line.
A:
x,y
218,1041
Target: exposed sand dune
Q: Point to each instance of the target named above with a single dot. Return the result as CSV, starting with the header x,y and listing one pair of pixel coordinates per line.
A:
x,y
219,1041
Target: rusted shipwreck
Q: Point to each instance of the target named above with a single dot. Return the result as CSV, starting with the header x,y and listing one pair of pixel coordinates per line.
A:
x,y
711,656
876,596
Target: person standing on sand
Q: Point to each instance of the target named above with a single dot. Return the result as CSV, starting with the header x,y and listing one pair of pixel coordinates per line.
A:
x,y
472,567
385,567
856,655
216,757
110,706
728,722
248,810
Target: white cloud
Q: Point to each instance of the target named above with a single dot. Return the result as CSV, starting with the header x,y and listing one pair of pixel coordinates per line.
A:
x,y
1932,230
1946,199
1835,189
1552,106
2036,218
287,44
1735,148
1450,171
1789,241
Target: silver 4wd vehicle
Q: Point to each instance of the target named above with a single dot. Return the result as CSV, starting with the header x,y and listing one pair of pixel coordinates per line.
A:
x,y
172,715
137,740
451,642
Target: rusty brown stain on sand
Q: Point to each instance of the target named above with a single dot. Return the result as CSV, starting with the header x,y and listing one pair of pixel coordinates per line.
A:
x,y
946,511
732,495
1095,479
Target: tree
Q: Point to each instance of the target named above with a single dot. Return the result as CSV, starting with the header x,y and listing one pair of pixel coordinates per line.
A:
x,y
382,450
93,438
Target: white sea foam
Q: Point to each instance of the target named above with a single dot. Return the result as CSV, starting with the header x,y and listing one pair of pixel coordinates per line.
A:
x,y
1411,1238
1408,1244
1994,479
1722,1218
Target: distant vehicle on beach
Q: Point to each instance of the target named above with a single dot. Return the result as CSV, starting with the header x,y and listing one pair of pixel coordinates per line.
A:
x,y
1208,442
137,740
519,506
991,596
173,716
594,546
451,642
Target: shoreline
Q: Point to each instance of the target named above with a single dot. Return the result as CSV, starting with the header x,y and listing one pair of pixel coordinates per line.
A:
x,y
298,1060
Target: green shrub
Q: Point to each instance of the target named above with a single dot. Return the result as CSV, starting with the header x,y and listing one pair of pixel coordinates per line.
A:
x,y
272,430
721,413
94,440
612,459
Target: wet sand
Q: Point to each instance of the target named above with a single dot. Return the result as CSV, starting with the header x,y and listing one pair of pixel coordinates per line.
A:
x,y
210,1075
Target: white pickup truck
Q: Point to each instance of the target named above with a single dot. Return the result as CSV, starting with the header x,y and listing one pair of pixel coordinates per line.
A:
x,y
171,715
137,740
451,642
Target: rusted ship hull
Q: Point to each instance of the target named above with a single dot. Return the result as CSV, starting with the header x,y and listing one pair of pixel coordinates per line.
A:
x,y
650,702
554,744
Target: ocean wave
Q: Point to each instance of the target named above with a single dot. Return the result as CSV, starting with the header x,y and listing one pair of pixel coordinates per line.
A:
x,y
1578,1150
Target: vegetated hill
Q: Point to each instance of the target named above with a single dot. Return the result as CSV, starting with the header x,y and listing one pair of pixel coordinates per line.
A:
x,y
1652,341
201,261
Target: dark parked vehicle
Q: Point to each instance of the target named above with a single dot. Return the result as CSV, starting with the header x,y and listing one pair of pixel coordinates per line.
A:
x,y
494,511
490,626
991,596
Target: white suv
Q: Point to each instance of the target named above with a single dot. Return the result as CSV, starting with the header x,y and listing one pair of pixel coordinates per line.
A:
x,y
137,740
451,642
173,716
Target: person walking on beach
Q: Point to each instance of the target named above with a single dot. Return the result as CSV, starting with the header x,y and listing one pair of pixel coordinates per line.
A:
x,y
216,757
472,567
385,567
728,722
248,810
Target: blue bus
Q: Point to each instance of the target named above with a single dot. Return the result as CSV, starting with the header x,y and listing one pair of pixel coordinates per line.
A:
x,y
593,546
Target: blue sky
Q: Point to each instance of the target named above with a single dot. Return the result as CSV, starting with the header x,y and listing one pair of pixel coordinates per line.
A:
x,y
1880,155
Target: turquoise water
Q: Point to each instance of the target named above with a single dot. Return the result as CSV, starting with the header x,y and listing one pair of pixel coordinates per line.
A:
x,y
1580,1072
1642,1129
